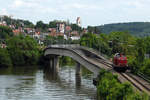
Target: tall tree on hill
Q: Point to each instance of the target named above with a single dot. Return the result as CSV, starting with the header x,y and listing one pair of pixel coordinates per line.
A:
x,y
93,30
42,26
75,27
5,32
53,24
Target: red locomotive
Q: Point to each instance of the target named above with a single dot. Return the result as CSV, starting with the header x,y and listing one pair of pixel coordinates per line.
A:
x,y
120,62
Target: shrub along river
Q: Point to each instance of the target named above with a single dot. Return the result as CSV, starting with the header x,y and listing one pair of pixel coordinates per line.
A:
x,y
30,83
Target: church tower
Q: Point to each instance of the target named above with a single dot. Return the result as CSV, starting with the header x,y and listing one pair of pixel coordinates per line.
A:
x,y
78,21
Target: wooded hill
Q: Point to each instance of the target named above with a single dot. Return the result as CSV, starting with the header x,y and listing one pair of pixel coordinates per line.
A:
x,y
134,28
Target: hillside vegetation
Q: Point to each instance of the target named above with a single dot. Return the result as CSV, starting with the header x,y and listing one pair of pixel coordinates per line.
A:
x,y
134,28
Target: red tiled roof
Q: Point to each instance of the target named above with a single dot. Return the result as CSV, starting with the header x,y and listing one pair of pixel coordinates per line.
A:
x,y
16,32
56,34
68,28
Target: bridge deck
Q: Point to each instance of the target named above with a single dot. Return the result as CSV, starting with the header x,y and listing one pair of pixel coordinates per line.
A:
x,y
80,55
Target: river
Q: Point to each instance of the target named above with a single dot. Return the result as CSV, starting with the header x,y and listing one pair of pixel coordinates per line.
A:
x,y
30,83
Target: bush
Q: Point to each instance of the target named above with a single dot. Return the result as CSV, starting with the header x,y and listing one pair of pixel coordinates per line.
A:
x,y
5,32
146,67
133,63
110,89
5,60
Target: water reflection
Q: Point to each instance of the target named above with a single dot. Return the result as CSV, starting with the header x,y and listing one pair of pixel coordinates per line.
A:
x,y
67,80
16,83
51,75
78,81
26,70
27,83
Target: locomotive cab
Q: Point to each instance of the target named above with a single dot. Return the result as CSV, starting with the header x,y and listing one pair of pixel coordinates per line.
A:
x,y
120,62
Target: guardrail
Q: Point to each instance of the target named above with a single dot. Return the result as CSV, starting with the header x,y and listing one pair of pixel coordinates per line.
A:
x,y
80,47
64,46
95,52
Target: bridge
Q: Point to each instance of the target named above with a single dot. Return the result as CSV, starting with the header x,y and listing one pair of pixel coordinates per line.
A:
x,y
82,55
93,61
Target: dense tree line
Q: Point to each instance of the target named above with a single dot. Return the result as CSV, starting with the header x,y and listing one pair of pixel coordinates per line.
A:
x,y
20,50
17,22
93,29
5,60
134,48
135,28
109,88
23,50
50,40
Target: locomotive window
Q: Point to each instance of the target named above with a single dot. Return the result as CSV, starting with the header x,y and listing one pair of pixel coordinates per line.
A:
x,y
123,56
118,55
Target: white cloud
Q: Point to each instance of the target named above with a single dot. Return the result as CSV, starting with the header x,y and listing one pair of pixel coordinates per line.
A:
x,y
3,12
91,11
18,3
23,4
79,6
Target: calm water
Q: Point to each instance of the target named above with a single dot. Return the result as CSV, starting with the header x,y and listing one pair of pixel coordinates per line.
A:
x,y
33,84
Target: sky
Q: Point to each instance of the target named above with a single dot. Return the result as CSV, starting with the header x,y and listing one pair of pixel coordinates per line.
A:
x,y
92,12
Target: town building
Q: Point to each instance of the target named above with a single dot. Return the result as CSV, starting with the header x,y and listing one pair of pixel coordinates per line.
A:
x,y
60,27
3,23
16,32
75,35
68,30
29,30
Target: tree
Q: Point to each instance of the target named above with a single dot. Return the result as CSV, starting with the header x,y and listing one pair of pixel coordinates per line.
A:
x,y
120,41
140,47
93,30
75,27
40,25
109,88
5,32
23,50
147,44
49,40
5,60
53,24
88,40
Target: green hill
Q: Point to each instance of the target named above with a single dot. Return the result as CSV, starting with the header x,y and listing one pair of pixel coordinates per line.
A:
x,y
134,28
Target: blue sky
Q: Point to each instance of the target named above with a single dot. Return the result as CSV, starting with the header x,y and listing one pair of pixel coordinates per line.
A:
x,y
92,12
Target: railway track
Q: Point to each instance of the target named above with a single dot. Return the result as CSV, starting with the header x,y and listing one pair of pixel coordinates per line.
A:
x,y
138,82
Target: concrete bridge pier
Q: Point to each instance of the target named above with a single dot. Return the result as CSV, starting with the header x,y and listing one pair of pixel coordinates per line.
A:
x,y
78,68
78,75
54,63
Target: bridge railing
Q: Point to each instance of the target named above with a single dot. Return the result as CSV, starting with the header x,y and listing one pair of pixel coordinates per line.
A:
x,y
64,46
94,51
79,47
